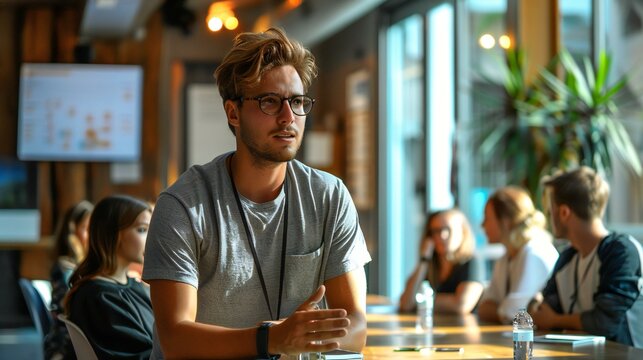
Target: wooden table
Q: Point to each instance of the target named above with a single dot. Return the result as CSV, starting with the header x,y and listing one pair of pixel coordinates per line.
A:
x,y
479,341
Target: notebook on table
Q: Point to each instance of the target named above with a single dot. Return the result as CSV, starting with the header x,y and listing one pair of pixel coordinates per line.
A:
x,y
341,354
569,339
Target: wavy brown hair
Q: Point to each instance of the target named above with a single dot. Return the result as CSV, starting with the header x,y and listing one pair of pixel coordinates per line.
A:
x,y
253,54
110,216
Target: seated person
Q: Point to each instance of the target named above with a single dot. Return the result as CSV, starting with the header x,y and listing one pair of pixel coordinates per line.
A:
x,y
69,250
242,248
511,219
113,310
596,285
446,260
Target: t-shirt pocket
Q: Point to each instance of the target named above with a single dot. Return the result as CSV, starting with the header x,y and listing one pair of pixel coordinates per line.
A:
x,y
302,274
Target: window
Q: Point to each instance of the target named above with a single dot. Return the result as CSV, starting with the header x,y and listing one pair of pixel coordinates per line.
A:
x,y
418,131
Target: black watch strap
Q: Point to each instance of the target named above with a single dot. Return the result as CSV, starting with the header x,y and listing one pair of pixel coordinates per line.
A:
x,y
262,342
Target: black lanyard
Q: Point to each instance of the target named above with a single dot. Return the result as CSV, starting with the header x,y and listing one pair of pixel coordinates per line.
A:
x,y
252,246
575,294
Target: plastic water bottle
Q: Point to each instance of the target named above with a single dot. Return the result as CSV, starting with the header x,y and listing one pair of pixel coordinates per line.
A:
x,y
523,335
424,300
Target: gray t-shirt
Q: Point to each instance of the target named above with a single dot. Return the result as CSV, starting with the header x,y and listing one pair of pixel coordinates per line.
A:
x,y
201,241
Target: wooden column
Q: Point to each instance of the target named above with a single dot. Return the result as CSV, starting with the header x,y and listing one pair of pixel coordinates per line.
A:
x,y
37,47
539,33
9,81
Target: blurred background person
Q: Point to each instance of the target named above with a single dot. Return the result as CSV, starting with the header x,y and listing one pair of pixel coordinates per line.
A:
x,y
446,260
112,309
135,269
597,283
511,219
70,248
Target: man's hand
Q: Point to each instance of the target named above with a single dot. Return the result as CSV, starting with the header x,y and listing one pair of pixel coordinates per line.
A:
x,y
545,317
298,332
313,300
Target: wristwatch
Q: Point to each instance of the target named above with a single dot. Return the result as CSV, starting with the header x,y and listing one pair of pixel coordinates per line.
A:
x,y
262,342
425,259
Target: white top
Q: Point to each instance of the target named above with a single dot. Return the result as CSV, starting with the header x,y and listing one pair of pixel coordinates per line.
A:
x,y
514,282
579,295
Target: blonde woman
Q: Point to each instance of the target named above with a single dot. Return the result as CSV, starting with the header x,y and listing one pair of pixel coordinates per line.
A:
x,y
511,219
446,260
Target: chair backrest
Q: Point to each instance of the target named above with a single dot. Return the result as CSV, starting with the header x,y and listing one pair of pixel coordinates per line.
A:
x,y
82,347
39,313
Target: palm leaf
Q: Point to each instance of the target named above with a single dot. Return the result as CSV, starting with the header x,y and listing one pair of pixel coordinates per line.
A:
x,y
621,143
602,70
570,66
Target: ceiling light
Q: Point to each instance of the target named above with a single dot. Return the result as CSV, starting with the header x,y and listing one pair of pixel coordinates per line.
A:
x,y
487,41
215,24
220,14
504,41
231,23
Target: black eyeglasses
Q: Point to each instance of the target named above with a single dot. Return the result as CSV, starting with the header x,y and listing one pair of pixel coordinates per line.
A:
x,y
271,104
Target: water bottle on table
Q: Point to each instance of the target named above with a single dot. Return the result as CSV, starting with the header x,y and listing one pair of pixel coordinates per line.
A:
x,y
312,355
424,300
523,334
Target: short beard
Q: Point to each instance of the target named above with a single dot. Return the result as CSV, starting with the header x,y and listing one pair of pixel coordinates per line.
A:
x,y
265,156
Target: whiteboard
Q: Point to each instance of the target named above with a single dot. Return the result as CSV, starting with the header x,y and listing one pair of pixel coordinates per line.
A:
x,y
208,134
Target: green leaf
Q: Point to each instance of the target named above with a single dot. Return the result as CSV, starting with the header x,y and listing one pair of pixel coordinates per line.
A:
x,y
622,144
602,70
492,140
611,92
579,80
556,85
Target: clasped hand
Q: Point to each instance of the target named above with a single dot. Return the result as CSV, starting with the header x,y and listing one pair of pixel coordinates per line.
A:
x,y
309,328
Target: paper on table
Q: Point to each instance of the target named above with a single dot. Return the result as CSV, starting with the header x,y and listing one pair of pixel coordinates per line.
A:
x,y
341,354
569,339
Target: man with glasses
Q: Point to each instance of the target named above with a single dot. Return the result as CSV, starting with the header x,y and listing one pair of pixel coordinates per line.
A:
x,y
242,249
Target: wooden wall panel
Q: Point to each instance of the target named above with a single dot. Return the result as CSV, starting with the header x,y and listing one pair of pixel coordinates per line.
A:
x,y
37,35
539,24
67,27
49,34
37,47
9,81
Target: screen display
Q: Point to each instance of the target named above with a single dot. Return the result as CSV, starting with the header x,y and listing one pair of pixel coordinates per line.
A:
x,y
80,112
18,185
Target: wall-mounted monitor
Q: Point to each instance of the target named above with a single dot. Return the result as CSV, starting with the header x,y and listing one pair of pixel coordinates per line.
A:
x,y
80,112
19,214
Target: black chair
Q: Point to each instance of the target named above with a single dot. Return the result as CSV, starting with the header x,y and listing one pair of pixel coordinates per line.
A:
x,y
40,315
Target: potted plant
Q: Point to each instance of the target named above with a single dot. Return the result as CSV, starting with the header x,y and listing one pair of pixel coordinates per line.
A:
x,y
558,123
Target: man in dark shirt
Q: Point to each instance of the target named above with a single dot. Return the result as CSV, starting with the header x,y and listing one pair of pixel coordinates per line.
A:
x,y
596,285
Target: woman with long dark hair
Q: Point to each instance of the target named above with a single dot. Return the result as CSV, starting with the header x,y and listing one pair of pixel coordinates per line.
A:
x,y
113,310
